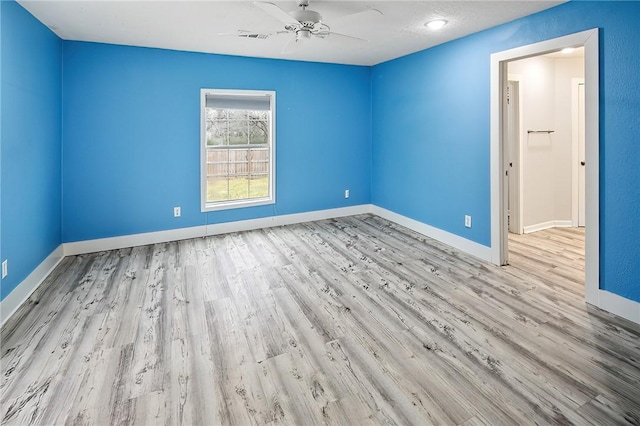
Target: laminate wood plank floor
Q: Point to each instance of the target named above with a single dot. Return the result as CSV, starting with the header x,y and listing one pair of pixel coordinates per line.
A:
x,y
347,321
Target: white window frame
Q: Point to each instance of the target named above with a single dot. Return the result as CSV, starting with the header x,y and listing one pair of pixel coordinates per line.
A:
x,y
234,204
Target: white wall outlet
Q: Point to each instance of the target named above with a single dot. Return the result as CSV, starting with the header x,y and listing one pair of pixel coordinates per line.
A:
x,y
346,193
467,221
5,268
176,212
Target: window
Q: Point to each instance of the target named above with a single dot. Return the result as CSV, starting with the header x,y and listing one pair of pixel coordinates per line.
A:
x,y
237,148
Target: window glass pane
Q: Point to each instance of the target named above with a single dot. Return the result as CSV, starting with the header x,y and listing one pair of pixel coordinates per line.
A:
x,y
237,127
258,127
217,127
259,178
217,174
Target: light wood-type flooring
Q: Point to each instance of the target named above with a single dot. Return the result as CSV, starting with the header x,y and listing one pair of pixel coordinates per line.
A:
x,y
348,321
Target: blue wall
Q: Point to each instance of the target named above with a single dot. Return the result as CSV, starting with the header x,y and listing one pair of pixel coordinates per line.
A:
x,y
132,135
430,131
31,135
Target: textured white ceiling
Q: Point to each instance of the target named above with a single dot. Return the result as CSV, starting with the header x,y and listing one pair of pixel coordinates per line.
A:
x,y
196,25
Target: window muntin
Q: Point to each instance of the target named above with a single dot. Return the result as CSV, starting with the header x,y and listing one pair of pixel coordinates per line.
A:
x,y
237,148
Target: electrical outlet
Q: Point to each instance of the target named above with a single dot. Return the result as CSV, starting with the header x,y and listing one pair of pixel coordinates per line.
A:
x,y
346,193
176,212
5,268
467,221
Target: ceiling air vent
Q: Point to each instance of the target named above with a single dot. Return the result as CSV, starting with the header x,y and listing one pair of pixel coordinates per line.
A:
x,y
254,35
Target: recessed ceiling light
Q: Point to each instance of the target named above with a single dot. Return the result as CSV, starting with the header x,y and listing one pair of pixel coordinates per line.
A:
x,y
568,50
436,24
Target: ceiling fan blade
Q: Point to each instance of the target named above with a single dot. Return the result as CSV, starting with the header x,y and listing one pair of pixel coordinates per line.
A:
x,y
276,12
341,36
235,33
352,18
292,45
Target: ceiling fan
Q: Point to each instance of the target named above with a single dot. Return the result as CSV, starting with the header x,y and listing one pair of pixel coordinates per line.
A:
x,y
304,24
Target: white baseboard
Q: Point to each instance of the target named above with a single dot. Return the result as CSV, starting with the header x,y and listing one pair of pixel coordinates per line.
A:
x,y
563,224
547,225
619,305
21,293
114,243
455,241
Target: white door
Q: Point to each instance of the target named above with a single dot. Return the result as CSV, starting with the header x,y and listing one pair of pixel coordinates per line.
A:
x,y
513,147
581,156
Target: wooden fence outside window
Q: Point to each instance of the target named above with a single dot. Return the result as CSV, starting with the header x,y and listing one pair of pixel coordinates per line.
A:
x,y
237,161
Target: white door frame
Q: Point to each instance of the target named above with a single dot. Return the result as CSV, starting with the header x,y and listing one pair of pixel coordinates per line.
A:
x,y
516,172
499,60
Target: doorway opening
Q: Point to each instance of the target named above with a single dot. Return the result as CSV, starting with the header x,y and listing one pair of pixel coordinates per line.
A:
x,y
506,205
544,142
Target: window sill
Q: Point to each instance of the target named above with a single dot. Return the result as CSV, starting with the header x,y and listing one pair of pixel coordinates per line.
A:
x,y
237,204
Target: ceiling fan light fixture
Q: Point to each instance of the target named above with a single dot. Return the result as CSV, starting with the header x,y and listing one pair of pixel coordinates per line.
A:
x,y
303,35
436,24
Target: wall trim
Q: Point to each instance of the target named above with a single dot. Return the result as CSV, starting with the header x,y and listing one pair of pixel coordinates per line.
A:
x,y
455,241
548,225
114,243
618,305
10,304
